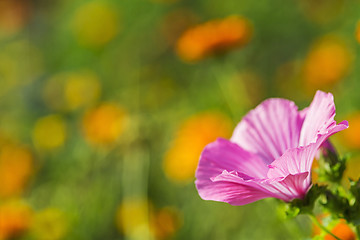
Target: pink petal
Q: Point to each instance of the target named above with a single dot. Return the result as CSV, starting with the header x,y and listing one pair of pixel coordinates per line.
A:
x,y
224,155
230,187
290,187
230,192
295,160
298,160
319,118
223,158
270,129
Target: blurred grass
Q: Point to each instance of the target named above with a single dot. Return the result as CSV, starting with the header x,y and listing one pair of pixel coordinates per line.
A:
x,y
123,53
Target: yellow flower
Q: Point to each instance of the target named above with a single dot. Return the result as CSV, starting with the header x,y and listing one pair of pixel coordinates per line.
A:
x,y
72,90
182,158
213,37
49,224
95,24
165,222
132,218
16,167
15,219
327,63
12,59
357,33
104,124
49,132
351,171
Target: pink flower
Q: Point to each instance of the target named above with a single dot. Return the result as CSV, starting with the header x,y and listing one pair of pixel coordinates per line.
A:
x,y
269,154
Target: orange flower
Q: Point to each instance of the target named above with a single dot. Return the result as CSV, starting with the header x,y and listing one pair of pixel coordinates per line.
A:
x,y
104,124
213,37
15,218
16,167
357,34
352,137
327,63
342,231
13,16
182,158
165,222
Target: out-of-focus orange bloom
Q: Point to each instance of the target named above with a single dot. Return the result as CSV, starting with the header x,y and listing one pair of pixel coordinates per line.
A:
x,y
316,230
13,16
357,33
342,231
212,37
16,167
352,137
49,132
165,222
15,219
95,24
182,158
104,124
49,224
327,63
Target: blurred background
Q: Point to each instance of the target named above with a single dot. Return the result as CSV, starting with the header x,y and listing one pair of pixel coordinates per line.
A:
x,y
105,107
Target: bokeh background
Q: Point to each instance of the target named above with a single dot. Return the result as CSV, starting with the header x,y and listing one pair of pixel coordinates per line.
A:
x,y
105,107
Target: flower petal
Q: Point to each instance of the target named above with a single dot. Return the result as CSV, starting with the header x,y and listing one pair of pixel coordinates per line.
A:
x,y
298,160
230,187
219,176
295,160
319,118
224,155
270,129
291,187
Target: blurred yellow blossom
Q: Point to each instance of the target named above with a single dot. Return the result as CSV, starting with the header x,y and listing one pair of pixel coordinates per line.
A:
x,y
182,158
213,37
351,171
49,224
328,62
17,55
352,137
72,90
49,132
16,167
15,219
81,89
132,217
104,124
95,23
165,222
357,33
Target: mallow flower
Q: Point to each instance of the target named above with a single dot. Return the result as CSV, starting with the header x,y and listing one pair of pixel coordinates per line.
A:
x,y
269,154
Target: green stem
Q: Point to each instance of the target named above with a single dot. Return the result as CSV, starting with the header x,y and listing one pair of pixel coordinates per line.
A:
x,y
358,231
316,221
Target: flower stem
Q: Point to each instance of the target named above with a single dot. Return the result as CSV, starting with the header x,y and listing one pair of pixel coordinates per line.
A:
x,y
358,231
316,221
